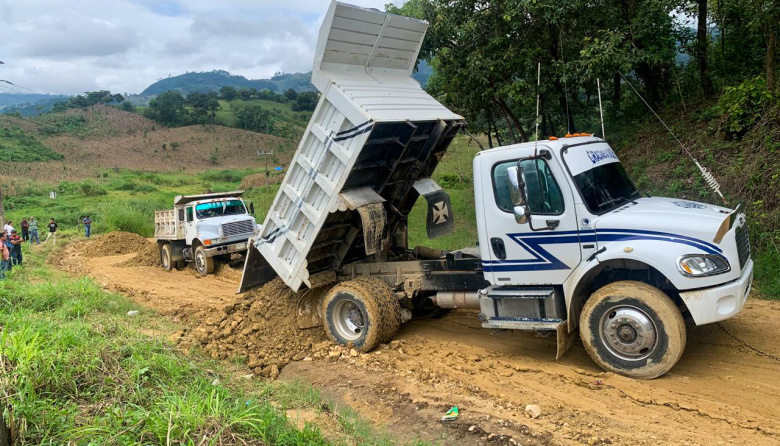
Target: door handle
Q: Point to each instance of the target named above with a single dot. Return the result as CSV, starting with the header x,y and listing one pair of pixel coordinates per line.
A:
x,y
552,224
499,249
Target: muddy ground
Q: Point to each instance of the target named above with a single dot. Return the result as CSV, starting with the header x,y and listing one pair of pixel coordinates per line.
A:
x,y
725,389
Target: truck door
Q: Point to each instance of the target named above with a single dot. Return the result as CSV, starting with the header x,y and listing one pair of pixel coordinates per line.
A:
x,y
190,228
520,255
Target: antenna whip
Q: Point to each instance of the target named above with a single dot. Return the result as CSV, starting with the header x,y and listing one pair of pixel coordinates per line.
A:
x,y
538,81
707,175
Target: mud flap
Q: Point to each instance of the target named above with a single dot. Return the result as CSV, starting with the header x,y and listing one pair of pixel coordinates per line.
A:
x,y
564,339
369,205
439,221
307,311
257,271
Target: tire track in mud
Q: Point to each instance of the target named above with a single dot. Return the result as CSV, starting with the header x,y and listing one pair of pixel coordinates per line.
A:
x,y
722,390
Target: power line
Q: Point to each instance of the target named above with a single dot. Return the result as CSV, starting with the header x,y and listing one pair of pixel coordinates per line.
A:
x,y
20,86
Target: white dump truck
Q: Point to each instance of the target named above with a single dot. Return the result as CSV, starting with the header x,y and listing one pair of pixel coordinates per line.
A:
x,y
202,229
567,244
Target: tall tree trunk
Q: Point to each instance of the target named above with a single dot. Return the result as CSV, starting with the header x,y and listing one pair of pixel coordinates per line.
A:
x,y
509,125
495,129
703,40
771,68
518,125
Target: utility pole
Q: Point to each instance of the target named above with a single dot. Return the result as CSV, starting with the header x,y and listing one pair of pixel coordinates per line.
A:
x,y
267,172
2,209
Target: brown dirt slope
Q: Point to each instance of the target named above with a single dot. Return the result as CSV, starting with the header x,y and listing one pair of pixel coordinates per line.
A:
x,y
114,138
724,390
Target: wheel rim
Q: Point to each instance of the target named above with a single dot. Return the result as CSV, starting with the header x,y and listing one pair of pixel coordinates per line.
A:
x,y
200,261
628,332
349,320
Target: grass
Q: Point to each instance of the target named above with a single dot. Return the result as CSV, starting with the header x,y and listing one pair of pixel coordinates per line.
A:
x,y
18,146
78,370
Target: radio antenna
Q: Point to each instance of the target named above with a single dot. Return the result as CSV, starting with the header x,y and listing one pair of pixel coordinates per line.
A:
x,y
538,82
707,175
601,109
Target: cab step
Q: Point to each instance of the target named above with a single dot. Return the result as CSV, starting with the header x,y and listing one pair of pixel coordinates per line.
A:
x,y
539,308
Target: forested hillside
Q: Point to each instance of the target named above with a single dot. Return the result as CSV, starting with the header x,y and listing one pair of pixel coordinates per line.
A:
x,y
204,82
707,67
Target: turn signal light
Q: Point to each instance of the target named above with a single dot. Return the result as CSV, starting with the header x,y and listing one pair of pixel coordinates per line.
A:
x,y
207,242
553,138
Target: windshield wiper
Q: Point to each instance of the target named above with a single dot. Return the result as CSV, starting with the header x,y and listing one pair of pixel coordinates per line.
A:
x,y
619,200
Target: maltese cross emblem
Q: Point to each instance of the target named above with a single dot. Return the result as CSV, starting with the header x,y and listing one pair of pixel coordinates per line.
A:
x,y
440,213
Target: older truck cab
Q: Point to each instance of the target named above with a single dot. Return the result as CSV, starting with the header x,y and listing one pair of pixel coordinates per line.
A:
x,y
562,215
203,228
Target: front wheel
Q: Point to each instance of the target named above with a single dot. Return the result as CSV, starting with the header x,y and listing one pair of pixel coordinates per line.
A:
x,y
203,264
633,329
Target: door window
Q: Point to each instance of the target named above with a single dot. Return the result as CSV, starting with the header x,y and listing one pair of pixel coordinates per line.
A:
x,y
544,195
189,213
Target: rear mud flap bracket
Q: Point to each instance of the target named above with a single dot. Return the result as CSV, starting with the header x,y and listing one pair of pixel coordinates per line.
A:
x,y
439,220
369,205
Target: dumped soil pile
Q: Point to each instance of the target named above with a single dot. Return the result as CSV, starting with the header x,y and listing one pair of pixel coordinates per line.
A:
x,y
260,327
114,244
148,255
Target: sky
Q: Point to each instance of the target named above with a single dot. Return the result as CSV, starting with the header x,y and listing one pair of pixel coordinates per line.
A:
x,y
74,46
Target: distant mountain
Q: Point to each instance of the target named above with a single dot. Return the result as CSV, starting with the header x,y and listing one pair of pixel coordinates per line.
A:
x,y
214,80
423,73
28,104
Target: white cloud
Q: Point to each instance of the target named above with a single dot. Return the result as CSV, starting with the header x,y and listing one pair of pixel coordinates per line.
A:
x,y
124,45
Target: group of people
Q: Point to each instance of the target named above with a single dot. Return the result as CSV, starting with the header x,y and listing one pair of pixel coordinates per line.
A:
x,y
11,242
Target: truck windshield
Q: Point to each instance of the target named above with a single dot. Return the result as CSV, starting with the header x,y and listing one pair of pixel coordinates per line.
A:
x,y
219,208
605,187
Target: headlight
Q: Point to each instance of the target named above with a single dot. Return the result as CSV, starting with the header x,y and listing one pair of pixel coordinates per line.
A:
x,y
700,265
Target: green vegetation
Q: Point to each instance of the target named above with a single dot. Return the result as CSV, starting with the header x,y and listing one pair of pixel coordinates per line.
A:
x,y
205,82
78,370
18,146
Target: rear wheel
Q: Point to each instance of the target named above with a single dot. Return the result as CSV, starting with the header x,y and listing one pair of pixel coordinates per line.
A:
x,y
165,257
203,264
633,329
362,312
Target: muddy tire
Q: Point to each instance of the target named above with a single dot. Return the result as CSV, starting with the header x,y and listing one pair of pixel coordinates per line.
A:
x,y
203,264
360,313
633,329
165,257
389,307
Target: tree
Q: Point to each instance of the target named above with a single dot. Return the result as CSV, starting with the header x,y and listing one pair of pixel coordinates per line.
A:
x,y
127,106
167,108
228,93
252,117
291,94
306,101
703,40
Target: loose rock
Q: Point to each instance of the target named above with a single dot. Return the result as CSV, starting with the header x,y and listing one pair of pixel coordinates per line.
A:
x,y
533,411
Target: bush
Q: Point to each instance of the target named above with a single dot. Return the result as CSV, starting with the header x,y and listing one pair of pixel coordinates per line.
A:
x,y
88,188
742,106
135,216
453,181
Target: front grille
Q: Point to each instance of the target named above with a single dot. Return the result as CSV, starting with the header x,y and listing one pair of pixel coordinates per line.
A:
x,y
237,228
743,244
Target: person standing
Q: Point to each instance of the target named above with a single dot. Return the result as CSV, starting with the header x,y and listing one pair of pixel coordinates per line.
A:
x,y
52,232
8,228
87,226
25,229
5,257
34,231
16,248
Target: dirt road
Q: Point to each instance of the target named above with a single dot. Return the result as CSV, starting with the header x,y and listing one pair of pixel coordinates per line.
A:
x,y
726,388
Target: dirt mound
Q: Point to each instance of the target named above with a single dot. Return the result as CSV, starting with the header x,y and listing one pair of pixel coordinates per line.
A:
x,y
259,327
114,244
148,255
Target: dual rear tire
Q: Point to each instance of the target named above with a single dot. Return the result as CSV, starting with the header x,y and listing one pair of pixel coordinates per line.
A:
x,y
362,313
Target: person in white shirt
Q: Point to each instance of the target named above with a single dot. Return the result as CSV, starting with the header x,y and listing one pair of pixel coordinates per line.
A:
x,y
8,228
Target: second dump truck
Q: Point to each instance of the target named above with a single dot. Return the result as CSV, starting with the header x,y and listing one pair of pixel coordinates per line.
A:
x,y
203,229
566,242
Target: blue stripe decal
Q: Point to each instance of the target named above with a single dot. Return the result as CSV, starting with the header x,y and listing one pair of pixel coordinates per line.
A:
x,y
543,260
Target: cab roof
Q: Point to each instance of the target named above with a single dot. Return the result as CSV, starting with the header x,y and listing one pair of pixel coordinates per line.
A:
x,y
555,144
184,199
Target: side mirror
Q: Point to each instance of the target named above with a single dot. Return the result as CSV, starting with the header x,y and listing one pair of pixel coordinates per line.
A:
x,y
252,207
518,194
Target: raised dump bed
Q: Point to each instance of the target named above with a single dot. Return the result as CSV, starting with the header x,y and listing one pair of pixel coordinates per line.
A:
x,y
365,158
